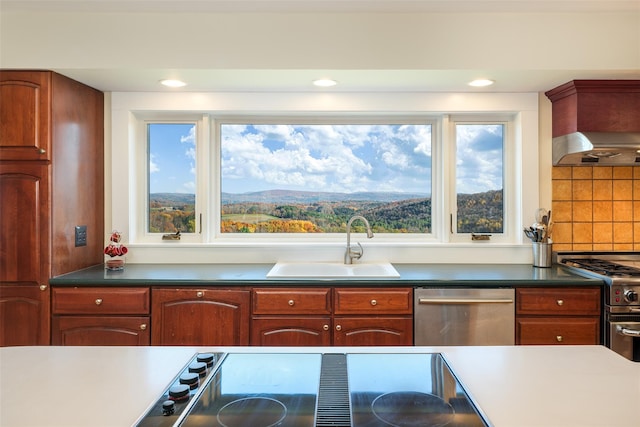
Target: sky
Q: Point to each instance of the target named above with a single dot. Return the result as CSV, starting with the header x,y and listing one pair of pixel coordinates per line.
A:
x,y
336,158
172,154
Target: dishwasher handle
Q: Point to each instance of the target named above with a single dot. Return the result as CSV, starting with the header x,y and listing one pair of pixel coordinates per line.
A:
x,y
465,300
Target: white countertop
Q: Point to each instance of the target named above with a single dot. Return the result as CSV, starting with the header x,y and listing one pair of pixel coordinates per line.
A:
x,y
516,386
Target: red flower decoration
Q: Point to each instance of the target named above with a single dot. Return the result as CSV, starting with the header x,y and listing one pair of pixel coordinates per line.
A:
x,y
114,247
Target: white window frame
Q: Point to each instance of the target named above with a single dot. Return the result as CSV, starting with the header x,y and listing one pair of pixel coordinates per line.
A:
x,y
509,177
141,183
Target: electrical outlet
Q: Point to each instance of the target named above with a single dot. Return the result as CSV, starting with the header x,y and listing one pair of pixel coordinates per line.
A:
x,y
81,235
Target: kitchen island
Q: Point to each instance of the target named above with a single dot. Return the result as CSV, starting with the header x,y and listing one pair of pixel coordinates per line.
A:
x,y
511,386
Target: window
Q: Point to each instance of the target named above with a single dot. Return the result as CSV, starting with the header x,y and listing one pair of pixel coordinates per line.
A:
x,y
479,177
275,176
296,177
171,177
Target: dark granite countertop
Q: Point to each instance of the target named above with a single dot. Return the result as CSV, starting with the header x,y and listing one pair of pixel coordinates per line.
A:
x,y
255,275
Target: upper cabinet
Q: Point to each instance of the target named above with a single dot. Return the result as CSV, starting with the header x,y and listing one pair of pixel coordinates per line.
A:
x,y
25,114
595,106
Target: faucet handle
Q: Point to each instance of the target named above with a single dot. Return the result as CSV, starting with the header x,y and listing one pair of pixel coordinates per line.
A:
x,y
357,252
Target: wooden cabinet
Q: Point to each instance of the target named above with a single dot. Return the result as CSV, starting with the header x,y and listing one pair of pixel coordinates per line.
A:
x,y
51,179
326,316
373,316
24,289
595,106
290,331
24,314
25,115
569,315
375,331
200,316
291,317
100,316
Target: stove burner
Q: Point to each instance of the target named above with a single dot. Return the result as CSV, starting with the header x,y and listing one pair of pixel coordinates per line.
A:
x,y
252,411
604,267
412,409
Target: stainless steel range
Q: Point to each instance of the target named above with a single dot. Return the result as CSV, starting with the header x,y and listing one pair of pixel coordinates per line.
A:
x,y
314,390
621,273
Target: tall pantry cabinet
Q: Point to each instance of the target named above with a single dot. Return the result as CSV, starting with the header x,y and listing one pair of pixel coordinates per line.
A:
x,y
51,180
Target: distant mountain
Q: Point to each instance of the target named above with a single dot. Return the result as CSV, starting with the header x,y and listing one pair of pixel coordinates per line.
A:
x,y
167,199
289,196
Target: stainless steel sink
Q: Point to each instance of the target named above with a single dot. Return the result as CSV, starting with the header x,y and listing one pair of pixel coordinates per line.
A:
x,y
331,270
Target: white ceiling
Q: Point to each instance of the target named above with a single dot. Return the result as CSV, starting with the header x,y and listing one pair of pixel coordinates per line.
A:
x,y
267,77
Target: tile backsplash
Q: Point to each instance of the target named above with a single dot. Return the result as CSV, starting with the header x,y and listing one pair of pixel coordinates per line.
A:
x,y
596,208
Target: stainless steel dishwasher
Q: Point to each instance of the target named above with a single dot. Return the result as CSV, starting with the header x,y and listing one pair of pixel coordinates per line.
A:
x,y
464,316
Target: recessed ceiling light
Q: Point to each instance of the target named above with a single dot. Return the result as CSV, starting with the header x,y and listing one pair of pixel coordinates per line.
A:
x,y
481,83
324,82
172,83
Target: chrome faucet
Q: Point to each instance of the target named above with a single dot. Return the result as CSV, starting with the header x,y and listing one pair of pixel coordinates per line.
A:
x,y
356,253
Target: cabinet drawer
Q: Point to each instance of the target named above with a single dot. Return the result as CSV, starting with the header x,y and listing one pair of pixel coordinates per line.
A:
x,y
291,301
373,301
100,300
558,301
560,330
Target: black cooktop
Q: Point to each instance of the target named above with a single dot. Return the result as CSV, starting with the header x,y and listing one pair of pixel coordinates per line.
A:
x,y
330,389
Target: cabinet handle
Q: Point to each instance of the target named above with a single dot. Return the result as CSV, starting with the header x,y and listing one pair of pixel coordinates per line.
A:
x,y
42,151
291,302
560,302
199,294
374,302
98,301
325,327
143,327
559,338
43,287
338,328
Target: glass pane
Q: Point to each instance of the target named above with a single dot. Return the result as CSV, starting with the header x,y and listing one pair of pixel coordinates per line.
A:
x,y
301,178
479,178
172,179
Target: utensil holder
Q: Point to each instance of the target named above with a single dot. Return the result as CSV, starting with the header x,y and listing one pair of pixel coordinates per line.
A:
x,y
542,254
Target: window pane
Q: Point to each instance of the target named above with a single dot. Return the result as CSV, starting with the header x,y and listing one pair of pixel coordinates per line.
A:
x,y
303,178
479,178
171,168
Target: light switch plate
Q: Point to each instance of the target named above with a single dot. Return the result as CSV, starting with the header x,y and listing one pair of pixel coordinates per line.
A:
x,y
81,235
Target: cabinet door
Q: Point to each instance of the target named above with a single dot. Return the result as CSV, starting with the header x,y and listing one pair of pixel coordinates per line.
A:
x,y
375,331
100,330
24,229
24,315
25,115
190,316
291,331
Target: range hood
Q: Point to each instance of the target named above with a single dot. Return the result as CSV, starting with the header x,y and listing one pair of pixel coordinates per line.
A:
x,y
597,148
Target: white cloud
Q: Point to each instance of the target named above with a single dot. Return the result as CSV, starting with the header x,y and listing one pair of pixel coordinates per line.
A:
x,y
153,167
324,158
